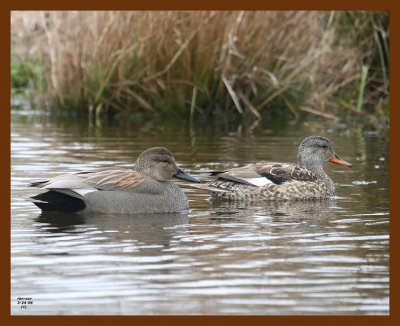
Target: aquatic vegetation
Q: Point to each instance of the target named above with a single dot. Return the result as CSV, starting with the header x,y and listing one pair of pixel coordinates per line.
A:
x,y
213,64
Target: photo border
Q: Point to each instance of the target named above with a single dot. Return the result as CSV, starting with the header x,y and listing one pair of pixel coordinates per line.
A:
x,y
6,8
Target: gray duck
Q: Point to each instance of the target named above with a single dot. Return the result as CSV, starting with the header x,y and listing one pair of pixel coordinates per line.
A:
x,y
144,189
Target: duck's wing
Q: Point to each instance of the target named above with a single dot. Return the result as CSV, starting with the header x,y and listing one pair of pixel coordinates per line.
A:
x,y
81,183
121,179
68,184
261,174
283,172
245,175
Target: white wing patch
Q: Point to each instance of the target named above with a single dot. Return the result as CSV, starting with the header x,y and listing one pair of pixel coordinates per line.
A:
x,y
258,182
69,184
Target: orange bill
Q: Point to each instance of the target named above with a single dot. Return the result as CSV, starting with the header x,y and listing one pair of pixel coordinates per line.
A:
x,y
337,160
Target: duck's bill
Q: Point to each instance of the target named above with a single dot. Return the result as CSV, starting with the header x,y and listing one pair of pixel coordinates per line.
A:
x,y
183,175
337,160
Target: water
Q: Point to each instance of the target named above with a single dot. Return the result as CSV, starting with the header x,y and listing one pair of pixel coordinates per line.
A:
x,y
324,257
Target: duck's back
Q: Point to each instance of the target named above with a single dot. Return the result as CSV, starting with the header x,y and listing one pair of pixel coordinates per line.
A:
x,y
270,181
110,191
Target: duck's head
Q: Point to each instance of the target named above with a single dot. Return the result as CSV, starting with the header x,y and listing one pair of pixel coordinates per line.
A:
x,y
160,164
315,151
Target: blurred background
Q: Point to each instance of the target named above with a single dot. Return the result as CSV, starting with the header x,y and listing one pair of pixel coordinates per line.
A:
x,y
204,65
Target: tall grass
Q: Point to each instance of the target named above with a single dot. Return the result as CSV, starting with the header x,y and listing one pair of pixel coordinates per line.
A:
x,y
211,63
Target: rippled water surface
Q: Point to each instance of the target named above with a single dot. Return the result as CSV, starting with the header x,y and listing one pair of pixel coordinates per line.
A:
x,y
324,257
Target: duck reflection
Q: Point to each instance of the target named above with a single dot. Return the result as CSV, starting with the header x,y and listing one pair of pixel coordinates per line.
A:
x,y
310,210
143,229
55,222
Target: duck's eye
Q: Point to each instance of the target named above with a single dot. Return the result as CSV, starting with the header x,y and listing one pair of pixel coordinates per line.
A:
x,y
164,161
323,145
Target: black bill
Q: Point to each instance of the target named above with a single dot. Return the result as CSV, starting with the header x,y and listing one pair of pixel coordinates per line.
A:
x,y
183,175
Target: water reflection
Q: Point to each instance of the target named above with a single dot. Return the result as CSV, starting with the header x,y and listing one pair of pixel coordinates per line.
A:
x,y
59,222
315,257
150,229
294,210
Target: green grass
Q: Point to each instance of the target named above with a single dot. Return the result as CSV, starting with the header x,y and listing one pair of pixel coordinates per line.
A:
x,y
26,77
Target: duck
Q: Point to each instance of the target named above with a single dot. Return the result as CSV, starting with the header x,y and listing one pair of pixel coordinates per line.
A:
x,y
146,188
281,181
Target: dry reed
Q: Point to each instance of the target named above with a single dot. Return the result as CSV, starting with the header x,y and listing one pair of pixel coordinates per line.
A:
x,y
199,62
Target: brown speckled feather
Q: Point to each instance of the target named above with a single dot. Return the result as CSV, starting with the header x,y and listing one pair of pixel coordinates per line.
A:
x,y
292,187
281,181
287,171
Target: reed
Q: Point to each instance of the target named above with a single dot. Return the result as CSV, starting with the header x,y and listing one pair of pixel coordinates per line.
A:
x,y
209,63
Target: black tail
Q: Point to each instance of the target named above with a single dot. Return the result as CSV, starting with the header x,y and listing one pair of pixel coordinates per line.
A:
x,y
215,173
38,183
52,201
